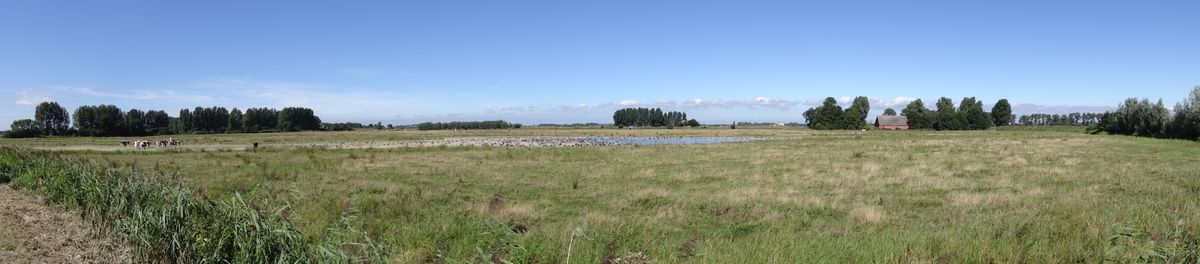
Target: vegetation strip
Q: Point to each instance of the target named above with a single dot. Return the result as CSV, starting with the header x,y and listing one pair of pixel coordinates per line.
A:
x,y
168,223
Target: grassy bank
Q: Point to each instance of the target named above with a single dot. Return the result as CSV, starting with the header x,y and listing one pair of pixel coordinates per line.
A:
x,y
169,224
818,196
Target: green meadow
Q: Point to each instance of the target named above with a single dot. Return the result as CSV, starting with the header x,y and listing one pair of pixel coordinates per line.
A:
x,y
794,196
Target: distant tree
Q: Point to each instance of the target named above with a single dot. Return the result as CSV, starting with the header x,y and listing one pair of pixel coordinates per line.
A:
x,y
209,120
259,119
856,115
349,126
1137,117
972,115
693,123
1157,120
498,124
889,112
918,116
298,119
184,123
51,119
1001,113
655,117
23,128
1071,119
100,120
157,122
135,123
947,118
827,116
850,119
1186,122
235,120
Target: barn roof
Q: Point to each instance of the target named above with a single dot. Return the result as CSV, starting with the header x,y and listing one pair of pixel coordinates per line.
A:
x,y
891,120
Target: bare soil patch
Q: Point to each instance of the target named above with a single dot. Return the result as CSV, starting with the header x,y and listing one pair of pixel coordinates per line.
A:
x,y
31,232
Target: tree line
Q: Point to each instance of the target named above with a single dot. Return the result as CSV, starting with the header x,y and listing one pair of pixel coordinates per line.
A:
x,y
498,124
1143,118
830,115
350,126
969,115
51,119
1071,119
653,117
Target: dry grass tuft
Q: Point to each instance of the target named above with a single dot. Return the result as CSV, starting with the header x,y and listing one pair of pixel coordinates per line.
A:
x,y
868,213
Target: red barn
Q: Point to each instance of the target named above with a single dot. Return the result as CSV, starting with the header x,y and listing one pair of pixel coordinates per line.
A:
x,y
891,122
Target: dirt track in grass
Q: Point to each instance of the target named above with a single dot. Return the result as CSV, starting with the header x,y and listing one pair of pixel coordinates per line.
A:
x,y
32,232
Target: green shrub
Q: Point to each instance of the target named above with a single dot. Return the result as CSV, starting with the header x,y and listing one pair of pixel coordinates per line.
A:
x,y
6,169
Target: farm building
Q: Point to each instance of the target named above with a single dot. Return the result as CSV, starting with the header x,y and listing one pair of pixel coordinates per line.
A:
x,y
891,122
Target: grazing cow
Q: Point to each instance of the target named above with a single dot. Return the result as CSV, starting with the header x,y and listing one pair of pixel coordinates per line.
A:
x,y
255,145
141,144
124,144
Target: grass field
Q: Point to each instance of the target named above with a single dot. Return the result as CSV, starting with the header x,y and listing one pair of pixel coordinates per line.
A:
x,y
804,196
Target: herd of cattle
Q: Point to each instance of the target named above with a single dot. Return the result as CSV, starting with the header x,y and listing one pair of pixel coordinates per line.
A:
x,y
145,144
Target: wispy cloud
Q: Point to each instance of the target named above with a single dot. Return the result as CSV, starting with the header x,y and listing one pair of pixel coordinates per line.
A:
x,y
583,107
335,103
752,104
766,102
876,103
31,98
510,109
144,95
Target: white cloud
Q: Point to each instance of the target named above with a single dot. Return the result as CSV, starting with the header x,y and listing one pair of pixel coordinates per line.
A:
x,y
28,98
628,103
899,101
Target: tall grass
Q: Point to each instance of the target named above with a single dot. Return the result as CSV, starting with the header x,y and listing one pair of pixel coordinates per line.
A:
x,y
167,223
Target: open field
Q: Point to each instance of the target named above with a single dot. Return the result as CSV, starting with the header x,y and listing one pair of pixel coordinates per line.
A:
x,y
370,138
800,196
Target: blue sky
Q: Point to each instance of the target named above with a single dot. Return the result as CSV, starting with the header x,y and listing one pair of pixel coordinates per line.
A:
x,y
577,61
